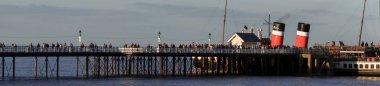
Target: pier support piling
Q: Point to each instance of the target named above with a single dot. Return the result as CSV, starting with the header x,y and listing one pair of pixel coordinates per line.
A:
x,y
46,67
14,67
173,66
77,67
35,67
86,67
3,67
57,67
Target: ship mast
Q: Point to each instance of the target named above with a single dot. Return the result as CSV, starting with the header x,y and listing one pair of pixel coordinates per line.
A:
x,y
362,22
269,25
224,22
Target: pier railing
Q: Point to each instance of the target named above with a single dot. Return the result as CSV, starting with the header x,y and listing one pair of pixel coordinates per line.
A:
x,y
77,49
205,50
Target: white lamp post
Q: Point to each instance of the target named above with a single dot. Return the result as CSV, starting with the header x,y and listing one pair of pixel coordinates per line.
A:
x,y
80,37
159,37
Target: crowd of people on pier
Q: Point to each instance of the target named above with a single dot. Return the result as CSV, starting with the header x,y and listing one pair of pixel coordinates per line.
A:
x,y
162,45
93,47
2,45
220,46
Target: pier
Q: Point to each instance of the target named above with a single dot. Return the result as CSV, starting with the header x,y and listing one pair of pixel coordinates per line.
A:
x,y
103,62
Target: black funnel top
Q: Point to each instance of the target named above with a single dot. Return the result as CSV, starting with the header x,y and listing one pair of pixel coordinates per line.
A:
x,y
278,26
304,27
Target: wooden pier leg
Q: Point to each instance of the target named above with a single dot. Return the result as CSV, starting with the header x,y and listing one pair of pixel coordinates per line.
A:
x,y
94,67
143,65
57,71
112,66
252,65
178,66
155,65
292,64
278,62
143,61
118,65
149,65
223,65
199,66
184,65
242,65
35,67
318,65
190,65
134,65
129,66
229,66
98,64
14,67
203,65
246,65
138,65
173,65
106,67
218,65
212,62
3,68
237,65
234,64
125,66
46,67
161,65
121,60
86,67
262,71
77,66
166,66
207,65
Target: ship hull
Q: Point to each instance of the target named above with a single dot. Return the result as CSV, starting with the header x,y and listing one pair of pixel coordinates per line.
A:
x,y
357,68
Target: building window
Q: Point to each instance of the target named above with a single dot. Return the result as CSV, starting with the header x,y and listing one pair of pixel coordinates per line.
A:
x,y
372,66
366,66
344,65
378,66
361,66
356,66
350,66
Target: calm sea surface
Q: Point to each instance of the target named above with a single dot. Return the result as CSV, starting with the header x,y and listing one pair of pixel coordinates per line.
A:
x,y
24,68
210,81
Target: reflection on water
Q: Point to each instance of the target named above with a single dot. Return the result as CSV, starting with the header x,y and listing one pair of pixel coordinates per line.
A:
x,y
371,78
204,81
25,67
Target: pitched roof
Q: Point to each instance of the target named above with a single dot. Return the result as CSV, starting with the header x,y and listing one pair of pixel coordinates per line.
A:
x,y
248,37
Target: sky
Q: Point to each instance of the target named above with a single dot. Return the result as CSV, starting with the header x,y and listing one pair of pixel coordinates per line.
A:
x,y
180,21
